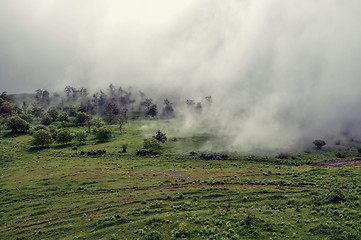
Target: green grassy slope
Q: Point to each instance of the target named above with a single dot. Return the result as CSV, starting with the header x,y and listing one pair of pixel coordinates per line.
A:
x,y
59,193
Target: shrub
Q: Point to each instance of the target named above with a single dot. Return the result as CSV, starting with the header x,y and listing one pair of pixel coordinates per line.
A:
x,y
319,143
283,156
46,120
143,152
80,118
53,130
17,125
64,136
124,146
340,155
160,137
41,137
38,127
151,144
335,196
213,156
99,123
93,152
80,136
103,133
63,117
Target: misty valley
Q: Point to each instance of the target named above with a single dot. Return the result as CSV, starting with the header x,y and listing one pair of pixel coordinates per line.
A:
x,y
125,164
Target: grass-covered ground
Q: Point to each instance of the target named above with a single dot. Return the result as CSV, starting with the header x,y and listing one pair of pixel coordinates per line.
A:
x,y
61,192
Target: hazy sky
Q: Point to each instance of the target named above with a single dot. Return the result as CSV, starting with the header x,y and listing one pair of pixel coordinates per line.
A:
x,y
279,71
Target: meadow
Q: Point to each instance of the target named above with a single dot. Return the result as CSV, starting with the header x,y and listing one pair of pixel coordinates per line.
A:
x,y
94,190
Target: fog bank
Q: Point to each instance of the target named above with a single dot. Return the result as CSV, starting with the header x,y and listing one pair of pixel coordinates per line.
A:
x,y
280,73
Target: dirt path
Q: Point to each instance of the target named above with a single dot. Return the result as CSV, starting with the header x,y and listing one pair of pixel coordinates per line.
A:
x,y
339,163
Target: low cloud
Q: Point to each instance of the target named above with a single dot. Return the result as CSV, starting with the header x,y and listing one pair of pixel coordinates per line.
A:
x,y
280,73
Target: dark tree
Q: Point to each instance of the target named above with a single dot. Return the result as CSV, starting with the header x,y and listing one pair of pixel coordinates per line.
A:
x,y
209,99
160,137
80,118
17,125
6,107
147,103
88,121
63,117
319,143
37,111
153,111
124,112
190,103
103,133
64,136
121,121
80,136
46,120
41,137
53,113
199,108
168,110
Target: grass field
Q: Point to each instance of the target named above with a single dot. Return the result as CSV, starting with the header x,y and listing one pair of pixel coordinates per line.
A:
x,y
62,192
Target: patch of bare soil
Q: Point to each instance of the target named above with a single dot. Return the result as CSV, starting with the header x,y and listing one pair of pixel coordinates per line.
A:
x,y
339,163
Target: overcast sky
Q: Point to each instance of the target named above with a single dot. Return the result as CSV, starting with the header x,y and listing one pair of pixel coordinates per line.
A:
x,y
279,71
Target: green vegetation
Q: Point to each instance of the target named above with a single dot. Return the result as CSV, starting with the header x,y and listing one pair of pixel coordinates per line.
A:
x,y
97,191
131,181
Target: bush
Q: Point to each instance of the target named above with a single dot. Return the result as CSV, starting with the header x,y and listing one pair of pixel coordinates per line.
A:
x,y
319,143
283,156
38,127
64,136
103,133
17,125
335,196
151,144
41,137
160,137
124,146
80,118
143,152
53,130
80,136
213,156
340,155
46,120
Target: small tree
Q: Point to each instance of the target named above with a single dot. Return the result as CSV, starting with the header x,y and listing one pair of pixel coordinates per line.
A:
x,y
151,144
103,133
121,121
88,121
64,136
99,123
124,146
17,125
160,137
153,111
80,118
168,110
80,136
42,138
53,113
46,120
319,143
63,117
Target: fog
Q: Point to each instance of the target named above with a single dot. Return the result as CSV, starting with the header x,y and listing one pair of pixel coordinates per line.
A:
x,y
280,73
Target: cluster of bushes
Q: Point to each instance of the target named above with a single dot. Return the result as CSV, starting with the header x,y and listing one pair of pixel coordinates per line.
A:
x,y
46,135
209,155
